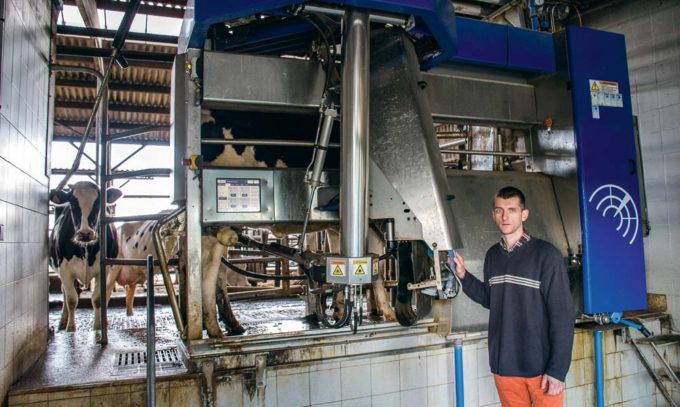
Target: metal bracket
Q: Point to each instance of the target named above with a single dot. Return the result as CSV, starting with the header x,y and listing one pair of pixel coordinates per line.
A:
x,y
260,372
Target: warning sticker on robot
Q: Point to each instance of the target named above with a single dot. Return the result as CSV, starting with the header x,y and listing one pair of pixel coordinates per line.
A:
x,y
604,93
359,267
375,267
338,268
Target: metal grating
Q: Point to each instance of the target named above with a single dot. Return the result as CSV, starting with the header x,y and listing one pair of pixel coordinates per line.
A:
x,y
121,322
133,362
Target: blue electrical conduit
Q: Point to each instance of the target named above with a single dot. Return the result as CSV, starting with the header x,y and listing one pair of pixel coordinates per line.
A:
x,y
458,356
599,371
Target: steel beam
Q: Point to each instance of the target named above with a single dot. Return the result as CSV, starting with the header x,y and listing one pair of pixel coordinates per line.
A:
x,y
114,125
113,107
105,53
71,138
176,11
109,34
114,86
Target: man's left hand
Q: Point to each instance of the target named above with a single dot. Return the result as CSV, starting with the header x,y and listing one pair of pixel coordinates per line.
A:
x,y
551,386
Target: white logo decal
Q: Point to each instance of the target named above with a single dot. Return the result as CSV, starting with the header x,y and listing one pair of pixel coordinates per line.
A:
x,y
618,200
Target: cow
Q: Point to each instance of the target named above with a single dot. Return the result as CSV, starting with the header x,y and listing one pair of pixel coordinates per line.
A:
x,y
135,241
75,244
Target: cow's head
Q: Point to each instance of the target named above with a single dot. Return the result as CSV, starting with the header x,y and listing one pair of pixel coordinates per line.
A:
x,y
83,199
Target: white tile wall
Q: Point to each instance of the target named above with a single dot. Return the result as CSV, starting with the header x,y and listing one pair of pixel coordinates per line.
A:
x,y
23,189
441,395
413,372
356,381
324,386
385,377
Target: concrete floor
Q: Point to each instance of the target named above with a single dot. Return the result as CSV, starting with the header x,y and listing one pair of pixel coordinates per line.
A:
x,y
75,358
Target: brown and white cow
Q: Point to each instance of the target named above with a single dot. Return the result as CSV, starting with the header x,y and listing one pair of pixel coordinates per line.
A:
x,y
135,241
75,245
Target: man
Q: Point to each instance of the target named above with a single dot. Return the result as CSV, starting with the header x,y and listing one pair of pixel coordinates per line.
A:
x,y
531,318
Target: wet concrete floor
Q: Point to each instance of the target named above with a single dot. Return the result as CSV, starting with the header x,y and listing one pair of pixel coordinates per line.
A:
x,y
75,358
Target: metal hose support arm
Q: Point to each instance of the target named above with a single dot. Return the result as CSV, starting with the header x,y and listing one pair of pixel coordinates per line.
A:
x,y
163,260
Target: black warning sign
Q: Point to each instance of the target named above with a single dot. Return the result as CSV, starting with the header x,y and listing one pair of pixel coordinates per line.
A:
x,y
359,271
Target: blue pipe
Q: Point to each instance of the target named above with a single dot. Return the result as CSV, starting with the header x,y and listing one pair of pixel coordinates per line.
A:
x,y
533,14
458,356
599,371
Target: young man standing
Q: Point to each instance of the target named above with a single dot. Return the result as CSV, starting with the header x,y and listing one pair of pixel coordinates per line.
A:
x,y
531,318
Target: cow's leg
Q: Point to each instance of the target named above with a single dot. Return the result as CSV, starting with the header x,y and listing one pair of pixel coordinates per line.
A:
x,y
130,298
112,276
212,252
224,305
70,303
63,321
375,245
96,303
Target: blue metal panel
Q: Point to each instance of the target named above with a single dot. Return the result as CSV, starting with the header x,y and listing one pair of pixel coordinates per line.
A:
x,y
502,46
481,43
438,16
613,258
460,39
530,50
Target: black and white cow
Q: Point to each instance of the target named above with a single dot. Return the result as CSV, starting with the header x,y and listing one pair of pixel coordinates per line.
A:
x,y
75,247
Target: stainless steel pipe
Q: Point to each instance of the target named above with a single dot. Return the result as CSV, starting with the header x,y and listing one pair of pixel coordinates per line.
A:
x,y
258,142
355,108
492,153
399,21
324,137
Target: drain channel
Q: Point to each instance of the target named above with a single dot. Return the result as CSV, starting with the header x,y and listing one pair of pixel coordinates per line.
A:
x,y
135,361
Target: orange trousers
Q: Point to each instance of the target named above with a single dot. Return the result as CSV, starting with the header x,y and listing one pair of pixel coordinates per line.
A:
x,y
525,392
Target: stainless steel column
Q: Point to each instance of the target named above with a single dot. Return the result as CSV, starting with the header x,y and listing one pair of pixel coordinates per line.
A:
x,y
355,108
192,134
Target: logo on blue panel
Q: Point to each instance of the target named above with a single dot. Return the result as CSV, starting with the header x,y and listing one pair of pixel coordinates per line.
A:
x,y
618,204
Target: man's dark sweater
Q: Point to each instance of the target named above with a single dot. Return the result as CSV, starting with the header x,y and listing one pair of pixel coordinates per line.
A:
x,y
531,320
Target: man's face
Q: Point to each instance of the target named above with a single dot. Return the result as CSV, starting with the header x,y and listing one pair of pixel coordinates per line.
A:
x,y
509,215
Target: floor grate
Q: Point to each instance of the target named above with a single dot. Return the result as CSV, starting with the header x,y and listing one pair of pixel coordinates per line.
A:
x,y
135,361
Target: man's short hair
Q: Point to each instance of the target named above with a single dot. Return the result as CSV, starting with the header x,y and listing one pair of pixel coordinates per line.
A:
x,y
510,192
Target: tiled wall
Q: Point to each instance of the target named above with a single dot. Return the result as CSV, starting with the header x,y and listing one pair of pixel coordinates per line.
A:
x,y
627,382
415,379
652,30
175,392
426,379
23,186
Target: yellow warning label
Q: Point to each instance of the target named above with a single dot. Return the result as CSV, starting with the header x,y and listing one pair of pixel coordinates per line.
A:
x,y
337,271
359,271
595,88
375,268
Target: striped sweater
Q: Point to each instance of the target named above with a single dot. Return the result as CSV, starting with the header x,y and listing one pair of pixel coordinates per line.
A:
x,y
531,319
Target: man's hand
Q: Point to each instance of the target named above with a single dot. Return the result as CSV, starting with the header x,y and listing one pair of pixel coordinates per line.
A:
x,y
551,386
458,266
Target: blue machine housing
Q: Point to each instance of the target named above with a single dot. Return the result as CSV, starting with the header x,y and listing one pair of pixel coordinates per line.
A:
x,y
502,46
611,219
459,39
437,15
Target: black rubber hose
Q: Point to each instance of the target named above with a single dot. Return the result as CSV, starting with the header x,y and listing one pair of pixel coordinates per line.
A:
x,y
321,315
260,276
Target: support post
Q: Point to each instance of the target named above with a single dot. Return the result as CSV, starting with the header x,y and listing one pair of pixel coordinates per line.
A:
x,y
355,108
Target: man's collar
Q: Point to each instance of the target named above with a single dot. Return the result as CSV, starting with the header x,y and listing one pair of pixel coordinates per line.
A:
x,y
526,237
